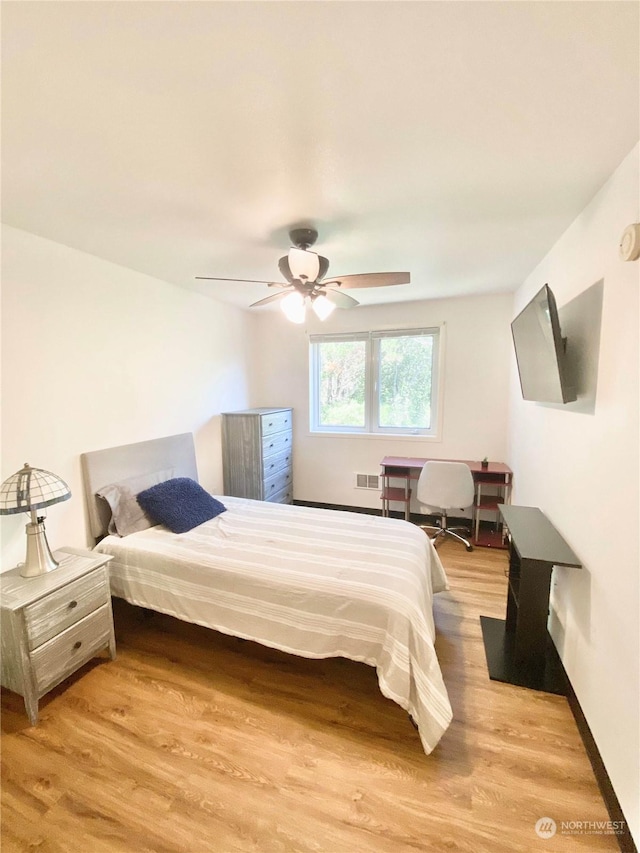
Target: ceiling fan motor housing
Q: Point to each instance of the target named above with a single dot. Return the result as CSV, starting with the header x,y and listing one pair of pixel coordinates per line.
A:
x,y
302,238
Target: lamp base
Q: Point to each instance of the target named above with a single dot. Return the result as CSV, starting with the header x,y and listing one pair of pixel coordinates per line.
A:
x,y
39,558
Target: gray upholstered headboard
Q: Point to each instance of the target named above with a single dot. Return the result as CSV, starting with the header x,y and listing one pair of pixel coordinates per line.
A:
x,y
101,467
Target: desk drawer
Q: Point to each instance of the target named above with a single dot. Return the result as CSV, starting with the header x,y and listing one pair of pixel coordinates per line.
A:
x,y
495,477
46,618
276,422
55,660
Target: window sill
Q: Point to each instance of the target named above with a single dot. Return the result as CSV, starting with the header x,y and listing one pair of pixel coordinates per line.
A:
x,y
377,436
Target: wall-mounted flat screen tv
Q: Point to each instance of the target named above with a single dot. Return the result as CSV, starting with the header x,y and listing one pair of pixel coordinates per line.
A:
x,y
540,351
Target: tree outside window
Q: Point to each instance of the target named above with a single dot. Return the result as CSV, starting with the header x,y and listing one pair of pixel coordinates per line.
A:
x,y
342,383
375,382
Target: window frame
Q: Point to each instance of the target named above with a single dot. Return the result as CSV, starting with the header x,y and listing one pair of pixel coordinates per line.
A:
x,y
372,339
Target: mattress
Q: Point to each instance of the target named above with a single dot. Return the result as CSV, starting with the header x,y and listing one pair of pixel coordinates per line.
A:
x,y
311,582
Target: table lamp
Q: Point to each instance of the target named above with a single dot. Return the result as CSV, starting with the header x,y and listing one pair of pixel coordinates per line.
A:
x,y
29,490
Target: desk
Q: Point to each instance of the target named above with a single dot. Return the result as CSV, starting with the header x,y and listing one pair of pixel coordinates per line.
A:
x,y
408,468
519,649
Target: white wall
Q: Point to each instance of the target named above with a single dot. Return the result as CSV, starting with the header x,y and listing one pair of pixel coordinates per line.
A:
x,y
582,471
476,381
95,355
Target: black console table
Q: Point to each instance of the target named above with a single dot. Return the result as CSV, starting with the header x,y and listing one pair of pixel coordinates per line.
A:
x,y
519,649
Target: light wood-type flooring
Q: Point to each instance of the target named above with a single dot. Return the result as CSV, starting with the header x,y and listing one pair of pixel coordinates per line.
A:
x,y
194,741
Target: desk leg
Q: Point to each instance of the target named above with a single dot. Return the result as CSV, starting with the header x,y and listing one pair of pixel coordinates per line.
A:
x,y
407,509
477,509
385,503
530,633
507,500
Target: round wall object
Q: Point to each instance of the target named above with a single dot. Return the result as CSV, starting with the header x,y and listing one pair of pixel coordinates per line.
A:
x,y
630,243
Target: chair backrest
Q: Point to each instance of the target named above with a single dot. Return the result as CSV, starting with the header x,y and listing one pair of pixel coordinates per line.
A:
x,y
446,485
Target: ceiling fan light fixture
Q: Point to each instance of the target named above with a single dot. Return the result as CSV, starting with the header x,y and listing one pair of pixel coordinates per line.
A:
x,y
304,265
306,275
293,307
322,307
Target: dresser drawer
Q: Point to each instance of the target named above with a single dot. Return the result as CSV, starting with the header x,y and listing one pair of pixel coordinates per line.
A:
x,y
276,422
283,497
55,660
276,443
275,484
273,464
46,618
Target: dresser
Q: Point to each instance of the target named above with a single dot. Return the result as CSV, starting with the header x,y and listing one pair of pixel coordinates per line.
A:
x,y
257,454
54,623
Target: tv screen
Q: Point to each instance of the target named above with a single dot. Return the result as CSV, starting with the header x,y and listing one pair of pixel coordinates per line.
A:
x,y
540,351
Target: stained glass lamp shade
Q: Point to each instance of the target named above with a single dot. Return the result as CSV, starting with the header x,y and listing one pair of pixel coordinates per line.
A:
x,y
30,490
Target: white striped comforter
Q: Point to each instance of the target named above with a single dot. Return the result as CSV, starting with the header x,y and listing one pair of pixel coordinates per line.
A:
x,y
313,582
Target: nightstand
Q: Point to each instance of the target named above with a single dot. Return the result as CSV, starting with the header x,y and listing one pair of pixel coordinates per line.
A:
x,y
54,623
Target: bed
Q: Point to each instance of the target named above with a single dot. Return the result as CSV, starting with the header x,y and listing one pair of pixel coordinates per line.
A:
x,y
312,582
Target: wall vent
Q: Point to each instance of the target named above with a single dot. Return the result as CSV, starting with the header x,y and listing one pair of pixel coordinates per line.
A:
x,y
368,481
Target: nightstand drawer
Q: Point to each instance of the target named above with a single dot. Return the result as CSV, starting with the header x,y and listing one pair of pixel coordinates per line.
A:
x,y
55,660
50,616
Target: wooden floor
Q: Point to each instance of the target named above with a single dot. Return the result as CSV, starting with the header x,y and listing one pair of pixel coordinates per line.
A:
x,y
193,741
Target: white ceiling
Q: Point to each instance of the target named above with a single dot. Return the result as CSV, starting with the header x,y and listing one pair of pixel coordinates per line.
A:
x,y
456,140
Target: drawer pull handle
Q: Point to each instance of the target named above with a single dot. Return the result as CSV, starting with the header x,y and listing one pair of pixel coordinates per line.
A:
x,y
270,423
271,445
72,604
77,644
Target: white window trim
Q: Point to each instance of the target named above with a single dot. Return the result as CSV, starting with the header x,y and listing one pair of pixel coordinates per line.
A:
x,y
371,409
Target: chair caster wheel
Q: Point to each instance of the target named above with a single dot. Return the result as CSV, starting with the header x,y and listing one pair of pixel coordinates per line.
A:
x,y
469,547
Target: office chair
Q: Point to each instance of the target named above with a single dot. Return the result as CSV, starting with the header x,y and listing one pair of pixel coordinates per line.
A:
x,y
443,486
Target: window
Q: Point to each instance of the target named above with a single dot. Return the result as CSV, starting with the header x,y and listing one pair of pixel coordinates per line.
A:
x,y
375,382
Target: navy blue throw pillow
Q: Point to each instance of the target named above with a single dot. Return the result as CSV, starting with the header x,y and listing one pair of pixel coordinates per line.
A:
x,y
180,504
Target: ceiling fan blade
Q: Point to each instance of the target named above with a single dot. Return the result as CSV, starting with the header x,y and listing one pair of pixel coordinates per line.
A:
x,y
370,279
285,269
340,300
247,280
324,268
272,298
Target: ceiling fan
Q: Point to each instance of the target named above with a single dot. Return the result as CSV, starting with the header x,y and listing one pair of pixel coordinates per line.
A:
x,y
305,280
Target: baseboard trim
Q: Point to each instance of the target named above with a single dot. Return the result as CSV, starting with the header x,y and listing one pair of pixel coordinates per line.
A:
x,y
416,518
361,509
625,839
